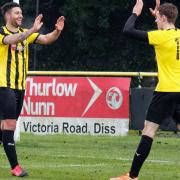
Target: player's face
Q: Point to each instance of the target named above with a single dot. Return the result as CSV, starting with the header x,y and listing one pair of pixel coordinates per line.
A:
x,y
15,16
159,21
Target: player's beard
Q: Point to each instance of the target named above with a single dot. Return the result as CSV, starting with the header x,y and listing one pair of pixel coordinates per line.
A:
x,y
16,23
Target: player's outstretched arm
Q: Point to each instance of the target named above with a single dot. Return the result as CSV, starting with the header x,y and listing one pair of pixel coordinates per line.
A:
x,y
154,11
53,36
129,28
19,37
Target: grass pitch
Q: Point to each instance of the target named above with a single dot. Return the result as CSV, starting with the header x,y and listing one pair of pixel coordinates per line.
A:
x,y
71,157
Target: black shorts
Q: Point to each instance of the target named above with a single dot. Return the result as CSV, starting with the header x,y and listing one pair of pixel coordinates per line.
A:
x,y
11,102
163,106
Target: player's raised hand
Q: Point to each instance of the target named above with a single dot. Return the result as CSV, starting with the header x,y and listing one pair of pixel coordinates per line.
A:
x,y
60,23
38,23
154,11
138,7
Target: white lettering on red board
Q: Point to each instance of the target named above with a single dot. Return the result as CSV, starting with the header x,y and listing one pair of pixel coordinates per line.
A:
x,y
38,108
51,89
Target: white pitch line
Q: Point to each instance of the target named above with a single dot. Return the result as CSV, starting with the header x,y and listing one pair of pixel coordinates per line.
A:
x,y
45,166
108,158
120,158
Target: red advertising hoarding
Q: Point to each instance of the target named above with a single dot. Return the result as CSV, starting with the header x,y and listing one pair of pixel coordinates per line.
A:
x,y
80,105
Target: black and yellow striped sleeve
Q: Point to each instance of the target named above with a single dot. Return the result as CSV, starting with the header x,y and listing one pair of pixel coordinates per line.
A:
x,y
2,35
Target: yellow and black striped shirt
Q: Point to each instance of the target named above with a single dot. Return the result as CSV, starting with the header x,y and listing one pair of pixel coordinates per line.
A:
x,y
14,60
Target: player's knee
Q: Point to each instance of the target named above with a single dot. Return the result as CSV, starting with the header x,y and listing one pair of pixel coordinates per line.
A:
x,y
149,131
150,134
8,124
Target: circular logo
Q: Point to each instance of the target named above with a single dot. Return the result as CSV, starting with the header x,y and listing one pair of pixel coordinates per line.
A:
x,y
114,98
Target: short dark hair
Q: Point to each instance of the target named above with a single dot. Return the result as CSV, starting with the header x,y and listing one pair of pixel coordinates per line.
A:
x,y
170,11
8,6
